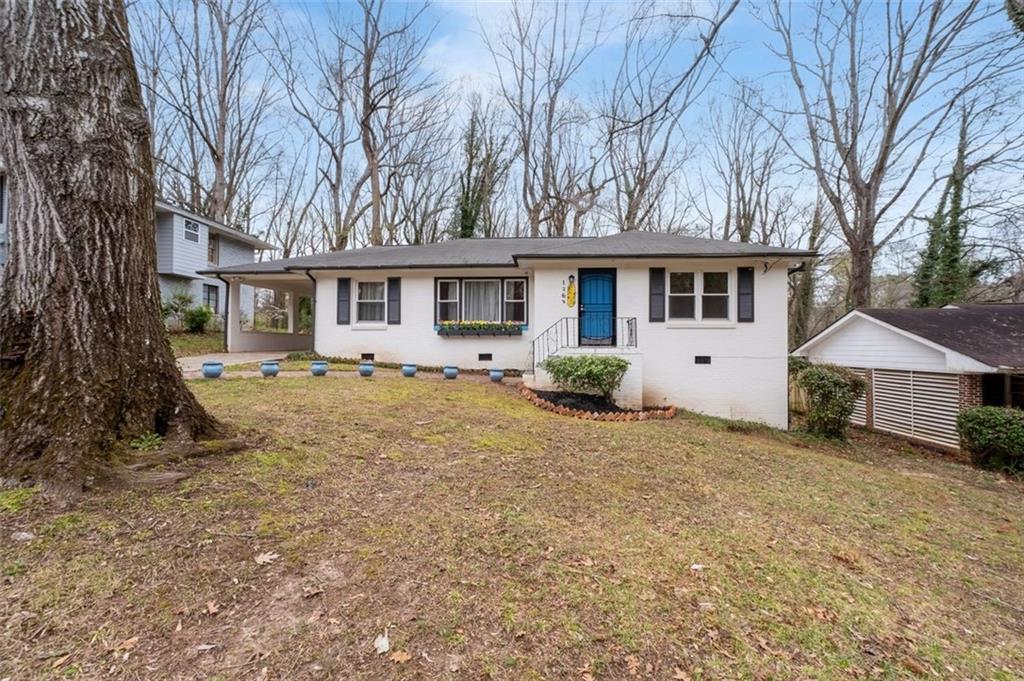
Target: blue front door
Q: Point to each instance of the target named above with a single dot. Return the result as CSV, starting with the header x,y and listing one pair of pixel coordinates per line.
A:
x,y
597,307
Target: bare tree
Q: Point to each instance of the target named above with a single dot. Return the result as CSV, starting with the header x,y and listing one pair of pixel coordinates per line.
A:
x,y
388,55
745,196
877,87
84,359
537,57
211,78
291,199
320,80
651,93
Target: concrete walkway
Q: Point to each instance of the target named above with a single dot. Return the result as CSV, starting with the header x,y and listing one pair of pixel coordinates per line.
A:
x,y
193,364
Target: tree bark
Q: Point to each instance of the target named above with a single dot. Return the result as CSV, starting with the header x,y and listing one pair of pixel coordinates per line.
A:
x,y
84,359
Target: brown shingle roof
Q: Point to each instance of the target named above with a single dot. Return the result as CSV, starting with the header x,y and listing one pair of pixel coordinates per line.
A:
x,y
992,334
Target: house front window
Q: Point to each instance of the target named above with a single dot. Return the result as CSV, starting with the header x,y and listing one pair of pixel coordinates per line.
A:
x,y
370,301
482,300
211,297
192,231
715,299
448,300
682,296
213,249
698,296
515,300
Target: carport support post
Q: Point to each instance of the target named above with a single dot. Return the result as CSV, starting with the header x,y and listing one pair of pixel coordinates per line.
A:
x,y
293,311
232,316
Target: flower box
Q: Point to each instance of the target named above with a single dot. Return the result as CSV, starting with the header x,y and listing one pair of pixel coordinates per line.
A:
x,y
479,329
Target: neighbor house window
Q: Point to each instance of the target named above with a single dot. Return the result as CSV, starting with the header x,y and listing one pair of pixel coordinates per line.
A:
x,y
211,297
370,301
448,300
482,300
515,300
191,231
682,296
715,296
213,249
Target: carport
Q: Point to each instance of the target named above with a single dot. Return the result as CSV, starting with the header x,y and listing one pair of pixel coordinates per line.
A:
x,y
270,318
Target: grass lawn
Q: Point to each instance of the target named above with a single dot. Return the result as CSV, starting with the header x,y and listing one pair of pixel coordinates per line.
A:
x,y
495,540
189,344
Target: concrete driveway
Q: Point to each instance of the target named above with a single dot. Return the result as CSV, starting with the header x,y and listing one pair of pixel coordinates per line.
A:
x,y
193,364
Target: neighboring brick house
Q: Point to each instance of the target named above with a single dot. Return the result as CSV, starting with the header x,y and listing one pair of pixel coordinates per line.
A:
x,y
925,366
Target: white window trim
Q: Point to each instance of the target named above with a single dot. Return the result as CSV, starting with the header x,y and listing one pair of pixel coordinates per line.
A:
x,y
457,300
505,300
371,323
698,321
198,232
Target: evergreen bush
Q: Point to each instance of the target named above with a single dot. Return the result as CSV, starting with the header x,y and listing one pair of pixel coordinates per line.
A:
x,y
595,374
832,392
993,436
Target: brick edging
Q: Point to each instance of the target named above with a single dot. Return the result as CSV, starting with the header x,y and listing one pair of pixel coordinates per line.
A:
x,y
644,415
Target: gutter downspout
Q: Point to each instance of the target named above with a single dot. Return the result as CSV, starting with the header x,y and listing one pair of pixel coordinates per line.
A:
x,y
227,308
312,310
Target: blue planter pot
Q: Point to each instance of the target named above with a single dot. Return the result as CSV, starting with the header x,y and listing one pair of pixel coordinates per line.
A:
x,y
451,372
408,370
496,375
213,369
269,369
318,368
366,368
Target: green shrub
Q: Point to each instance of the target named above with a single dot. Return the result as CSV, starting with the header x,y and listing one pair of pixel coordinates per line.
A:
x,y
196,318
993,436
179,302
798,364
599,374
831,394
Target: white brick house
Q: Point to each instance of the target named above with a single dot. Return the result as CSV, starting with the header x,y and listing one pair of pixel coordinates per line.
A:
x,y
702,322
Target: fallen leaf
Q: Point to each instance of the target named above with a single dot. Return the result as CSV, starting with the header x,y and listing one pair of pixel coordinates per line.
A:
x,y
381,644
203,647
212,607
128,643
679,675
400,657
266,558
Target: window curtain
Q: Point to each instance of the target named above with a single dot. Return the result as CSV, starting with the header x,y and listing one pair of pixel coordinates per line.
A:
x,y
483,301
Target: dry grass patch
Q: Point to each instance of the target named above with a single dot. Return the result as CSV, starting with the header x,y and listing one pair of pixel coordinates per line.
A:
x,y
494,540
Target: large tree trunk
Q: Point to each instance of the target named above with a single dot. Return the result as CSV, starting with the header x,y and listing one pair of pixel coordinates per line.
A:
x,y
85,360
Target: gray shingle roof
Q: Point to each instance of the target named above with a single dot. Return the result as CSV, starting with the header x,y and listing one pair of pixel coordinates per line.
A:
x,y
992,334
506,252
660,245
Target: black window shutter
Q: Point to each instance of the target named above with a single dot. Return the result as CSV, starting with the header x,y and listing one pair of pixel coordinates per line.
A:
x,y
657,294
394,300
344,304
745,285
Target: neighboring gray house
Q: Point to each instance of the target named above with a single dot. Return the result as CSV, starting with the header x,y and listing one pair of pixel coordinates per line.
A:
x,y
187,243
